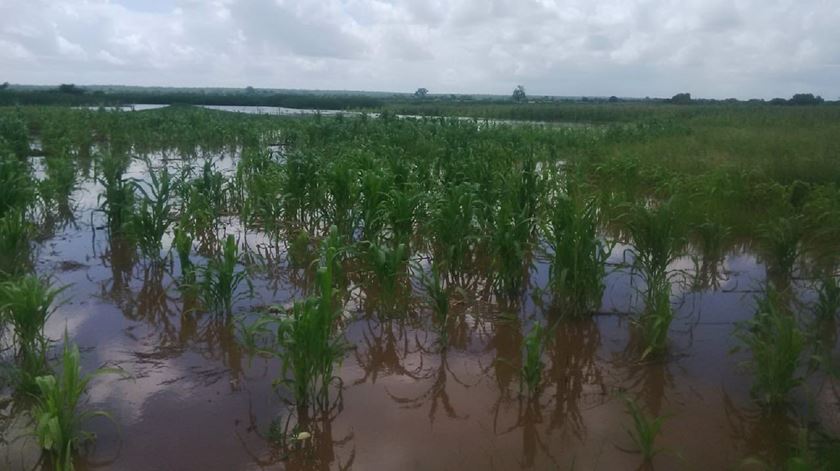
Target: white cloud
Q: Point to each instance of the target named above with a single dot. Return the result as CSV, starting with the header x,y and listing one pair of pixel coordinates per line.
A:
x,y
712,48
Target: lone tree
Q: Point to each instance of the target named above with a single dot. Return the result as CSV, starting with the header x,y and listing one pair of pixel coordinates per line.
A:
x,y
519,93
805,99
70,88
421,93
681,99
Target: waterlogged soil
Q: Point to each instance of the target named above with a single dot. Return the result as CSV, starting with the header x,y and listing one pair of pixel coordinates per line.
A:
x,y
408,400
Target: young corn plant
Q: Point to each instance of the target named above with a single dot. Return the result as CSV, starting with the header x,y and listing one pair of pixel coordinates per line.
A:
x,y
388,265
220,284
534,346
15,249
117,200
153,214
828,299
16,186
453,229
658,240
509,246
644,431
775,342
438,298
307,339
60,182
578,260
183,244
399,210
58,411
26,304
204,198
780,243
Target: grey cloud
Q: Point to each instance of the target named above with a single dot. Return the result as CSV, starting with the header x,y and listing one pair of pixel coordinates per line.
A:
x,y
712,48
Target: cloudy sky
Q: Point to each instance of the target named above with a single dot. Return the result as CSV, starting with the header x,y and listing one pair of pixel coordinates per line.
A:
x,y
711,48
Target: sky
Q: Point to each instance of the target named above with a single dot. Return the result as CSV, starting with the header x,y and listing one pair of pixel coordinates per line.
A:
x,y
628,48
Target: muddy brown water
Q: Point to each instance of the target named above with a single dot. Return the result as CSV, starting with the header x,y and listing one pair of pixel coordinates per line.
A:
x,y
196,400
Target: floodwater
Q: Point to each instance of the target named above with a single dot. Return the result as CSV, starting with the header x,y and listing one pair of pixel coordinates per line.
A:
x,y
196,400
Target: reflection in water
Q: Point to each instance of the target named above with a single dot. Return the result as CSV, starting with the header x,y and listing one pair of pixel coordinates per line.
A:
x,y
319,451
573,374
436,394
761,433
387,344
646,380
120,256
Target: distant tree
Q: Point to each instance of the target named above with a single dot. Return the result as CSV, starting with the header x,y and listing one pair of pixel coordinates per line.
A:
x,y
681,99
249,90
519,93
805,99
71,89
421,93
778,101
4,86
613,99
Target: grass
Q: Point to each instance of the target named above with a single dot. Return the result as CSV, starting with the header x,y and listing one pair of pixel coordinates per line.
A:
x,y
58,412
776,344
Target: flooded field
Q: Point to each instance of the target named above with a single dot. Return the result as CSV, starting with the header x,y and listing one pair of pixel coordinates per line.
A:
x,y
466,384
